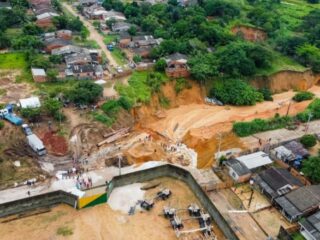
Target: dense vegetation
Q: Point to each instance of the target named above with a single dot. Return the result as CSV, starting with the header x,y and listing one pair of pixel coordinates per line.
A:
x,y
308,141
303,96
243,129
203,33
311,168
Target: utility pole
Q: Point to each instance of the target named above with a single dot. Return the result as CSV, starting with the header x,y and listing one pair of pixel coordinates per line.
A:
x,y
219,149
288,108
119,163
309,119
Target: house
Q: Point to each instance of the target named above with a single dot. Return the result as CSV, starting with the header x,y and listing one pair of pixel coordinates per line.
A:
x,y
118,16
145,41
177,66
64,34
144,52
255,160
39,74
124,39
275,182
54,43
32,102
49,36
69,49
283,154
44,20
299,203
87,3
121,27
237,170
94,12
297,149
310,227
78,59
88,71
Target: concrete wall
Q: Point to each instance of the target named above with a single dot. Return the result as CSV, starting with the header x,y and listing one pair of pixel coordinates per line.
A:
x,y
39,201
182,175
58,197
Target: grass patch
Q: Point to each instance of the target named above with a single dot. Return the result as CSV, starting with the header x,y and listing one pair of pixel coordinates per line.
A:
x,y
13,32
103,118
64,231
86,43
14,60
297,236
53,88
138,89
118,56
280,63
3,92
109,38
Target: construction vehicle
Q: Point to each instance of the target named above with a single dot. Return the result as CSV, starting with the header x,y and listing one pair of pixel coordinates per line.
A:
x,y
194,210
169,212
176,222
164,194
148,204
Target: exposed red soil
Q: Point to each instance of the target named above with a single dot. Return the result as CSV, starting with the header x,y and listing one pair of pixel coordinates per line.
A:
x,y
54,143
249,33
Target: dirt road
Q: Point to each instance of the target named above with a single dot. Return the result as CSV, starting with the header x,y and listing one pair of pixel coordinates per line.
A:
x,y
94,34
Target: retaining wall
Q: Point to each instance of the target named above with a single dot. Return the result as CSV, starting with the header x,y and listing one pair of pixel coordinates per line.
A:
x,y
38,201
58,197
182,175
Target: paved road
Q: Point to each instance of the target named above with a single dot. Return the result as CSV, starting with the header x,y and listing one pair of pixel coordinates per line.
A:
x,y
94,34
281,135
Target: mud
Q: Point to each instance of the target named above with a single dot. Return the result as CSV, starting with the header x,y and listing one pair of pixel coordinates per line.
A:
x,y
249,33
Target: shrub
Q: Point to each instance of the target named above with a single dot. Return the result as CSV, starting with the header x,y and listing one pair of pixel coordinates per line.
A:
x,y
85,92
164,101
243,129
311,168
64,231
312,111
235,92
154,81
32,114
110,107
125,103
181,84
160,65
308,140
103,119
1,124
58,116
302,96
267,95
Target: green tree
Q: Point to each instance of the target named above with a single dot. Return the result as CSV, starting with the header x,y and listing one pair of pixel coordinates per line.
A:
x,y
52,74
220,8
132,30
27,42
309,55
203,66
55,59
308,140
32,114
39,61
137,58
85,92
31,29
4,41
303,96
52,106
235,92
311,168
160,65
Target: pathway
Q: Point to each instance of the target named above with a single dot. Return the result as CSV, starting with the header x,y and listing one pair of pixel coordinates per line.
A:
x,y
94,34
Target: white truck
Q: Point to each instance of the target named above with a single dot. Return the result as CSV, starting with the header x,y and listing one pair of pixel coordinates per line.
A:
x,y
36,144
